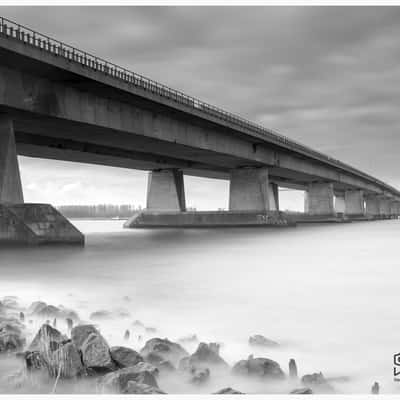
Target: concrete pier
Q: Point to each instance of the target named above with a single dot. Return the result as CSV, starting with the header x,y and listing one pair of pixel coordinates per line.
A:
x,y
372,206
166,191
384,208
319,199
354,200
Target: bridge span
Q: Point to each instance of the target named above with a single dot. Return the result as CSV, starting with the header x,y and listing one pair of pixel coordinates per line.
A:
x,y
58,102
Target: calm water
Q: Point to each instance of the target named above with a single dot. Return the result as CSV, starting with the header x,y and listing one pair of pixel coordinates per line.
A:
x,y
327,293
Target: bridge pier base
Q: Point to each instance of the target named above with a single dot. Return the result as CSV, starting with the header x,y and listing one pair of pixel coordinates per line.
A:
x,y
354,200
384,208
22,223
372,206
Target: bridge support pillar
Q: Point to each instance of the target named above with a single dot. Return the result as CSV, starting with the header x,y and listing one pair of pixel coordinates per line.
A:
x,y
354,200
166,191
372,206
340,204
250,190
10,179
394,208
319,199
384,208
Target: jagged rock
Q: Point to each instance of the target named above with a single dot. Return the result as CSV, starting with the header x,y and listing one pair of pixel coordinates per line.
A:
x,y
206,356
96,353
317,382
127,335
199,375
69,361
33,360
260,340
228,390
70,323
21,316
259,367
11,335
292,369
305,390
164,349
124,356
375,388
80,333
165,366
117,381
133,387
101,315
47,338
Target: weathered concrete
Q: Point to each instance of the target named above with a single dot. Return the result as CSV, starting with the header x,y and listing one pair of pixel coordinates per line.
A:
x,y
36,224
319,199
384,207
10,180
206,219
354,200
340,205
250,190
166,191
372,206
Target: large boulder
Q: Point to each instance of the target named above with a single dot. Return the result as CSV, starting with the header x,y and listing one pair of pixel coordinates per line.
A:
x,y
318,383
116,382
96,353
260,340
133,387
47,339
80,333
124,356
164,349
11,335
69,361
43,310
206,356
259,367
228,390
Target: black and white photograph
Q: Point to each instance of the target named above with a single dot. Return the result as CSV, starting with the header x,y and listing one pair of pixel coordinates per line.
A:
x,y
199,199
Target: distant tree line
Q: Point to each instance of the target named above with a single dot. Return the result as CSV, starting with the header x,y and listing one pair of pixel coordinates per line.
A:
x,y
99,211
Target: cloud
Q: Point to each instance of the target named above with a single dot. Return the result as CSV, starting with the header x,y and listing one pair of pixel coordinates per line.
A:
x,y
325,76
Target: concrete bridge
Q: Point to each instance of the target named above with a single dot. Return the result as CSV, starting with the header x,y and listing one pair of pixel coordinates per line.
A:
x,y
58,102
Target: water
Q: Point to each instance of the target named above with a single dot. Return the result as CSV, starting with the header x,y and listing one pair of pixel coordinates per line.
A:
x,y
327,293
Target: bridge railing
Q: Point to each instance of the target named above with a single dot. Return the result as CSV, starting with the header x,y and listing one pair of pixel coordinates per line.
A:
x,y
30,37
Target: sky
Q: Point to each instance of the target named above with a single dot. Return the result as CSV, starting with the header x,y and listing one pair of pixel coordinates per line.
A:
x,y
328,77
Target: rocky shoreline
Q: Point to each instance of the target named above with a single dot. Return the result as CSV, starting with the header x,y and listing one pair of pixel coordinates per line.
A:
x,y
66,349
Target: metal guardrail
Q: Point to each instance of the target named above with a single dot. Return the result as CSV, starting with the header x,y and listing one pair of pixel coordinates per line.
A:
x,y
30,37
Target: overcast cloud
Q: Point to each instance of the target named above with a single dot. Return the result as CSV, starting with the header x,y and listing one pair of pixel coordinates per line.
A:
x,y
326,76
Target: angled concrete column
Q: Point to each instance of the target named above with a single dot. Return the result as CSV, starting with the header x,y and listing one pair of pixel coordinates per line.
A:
x,y
166,191
340,205
372,206
319,199
354,200
10,180
250,190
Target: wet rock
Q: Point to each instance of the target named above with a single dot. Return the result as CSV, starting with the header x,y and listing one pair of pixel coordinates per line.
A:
x,y
70,323
259,367
317,382
206,356
127,335
133,387
304,390
375,388
228,390
33,360
47,339
81,332
96,353
21,316
11,335
125,357
101,315
199,375
292,369
44,310
10,302
36,307
117,381
164,349
69,361
260,340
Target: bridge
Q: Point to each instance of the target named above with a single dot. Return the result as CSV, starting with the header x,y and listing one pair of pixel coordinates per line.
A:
x,y
59,102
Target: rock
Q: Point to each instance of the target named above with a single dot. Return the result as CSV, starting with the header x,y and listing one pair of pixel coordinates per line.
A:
x,y
206,356
188,339
133,387
80,333
375,388
164,349
292,369
117,381
11,335
199,375
96,353
70,323
69,361
127,334
47,339
33,360
304,390
10,302
317,382
138,324
101,315
259,367
55,322
48,311
150,330
228,390
36,307
21,316
125,357
43,310
260,340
